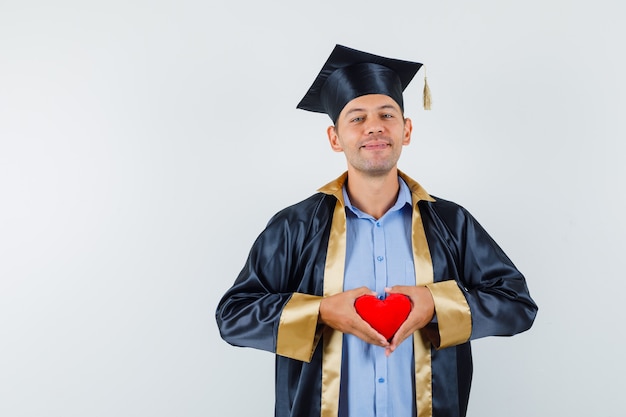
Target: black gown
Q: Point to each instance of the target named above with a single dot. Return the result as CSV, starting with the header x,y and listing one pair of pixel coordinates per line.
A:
x,y
274,303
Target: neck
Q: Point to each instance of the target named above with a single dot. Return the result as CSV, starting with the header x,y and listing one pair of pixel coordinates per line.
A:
x,y
373,195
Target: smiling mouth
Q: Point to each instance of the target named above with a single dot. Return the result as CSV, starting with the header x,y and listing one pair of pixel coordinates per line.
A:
x,y
375,146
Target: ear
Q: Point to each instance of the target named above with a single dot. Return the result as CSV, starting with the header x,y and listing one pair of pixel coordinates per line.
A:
x,y
408,128
333,139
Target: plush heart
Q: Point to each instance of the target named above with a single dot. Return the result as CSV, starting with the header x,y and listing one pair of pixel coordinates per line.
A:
x,y
386,316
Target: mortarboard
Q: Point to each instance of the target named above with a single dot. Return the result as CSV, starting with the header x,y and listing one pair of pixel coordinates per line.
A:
x,y
349,73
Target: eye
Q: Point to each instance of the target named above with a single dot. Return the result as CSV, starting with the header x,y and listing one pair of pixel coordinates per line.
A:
x,y
356,119
387,116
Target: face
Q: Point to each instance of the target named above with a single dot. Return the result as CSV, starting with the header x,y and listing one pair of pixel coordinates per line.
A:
x,y
371,131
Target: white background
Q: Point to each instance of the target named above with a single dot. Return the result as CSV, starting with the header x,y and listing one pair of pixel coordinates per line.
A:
x,y
144,145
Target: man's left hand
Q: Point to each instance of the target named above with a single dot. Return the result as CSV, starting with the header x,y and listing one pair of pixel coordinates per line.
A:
x,y
422,312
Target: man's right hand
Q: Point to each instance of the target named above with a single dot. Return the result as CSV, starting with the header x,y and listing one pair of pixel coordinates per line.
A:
x,y
338,312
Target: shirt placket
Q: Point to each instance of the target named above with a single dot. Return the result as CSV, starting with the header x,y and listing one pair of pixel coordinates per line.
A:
x,y
380,275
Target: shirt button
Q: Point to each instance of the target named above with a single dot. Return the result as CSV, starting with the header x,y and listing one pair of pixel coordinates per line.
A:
x,y
378,224
381,380
380,258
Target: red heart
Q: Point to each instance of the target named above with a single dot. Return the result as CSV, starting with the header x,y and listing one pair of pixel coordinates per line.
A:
x,y
386,316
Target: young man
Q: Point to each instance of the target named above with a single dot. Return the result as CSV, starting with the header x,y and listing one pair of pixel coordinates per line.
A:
x,y
372,232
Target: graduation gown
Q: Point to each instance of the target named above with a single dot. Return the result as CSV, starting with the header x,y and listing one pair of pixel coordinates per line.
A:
x,y
299,258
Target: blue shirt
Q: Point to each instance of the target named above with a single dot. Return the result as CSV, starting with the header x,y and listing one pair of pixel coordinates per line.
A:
x,y
378,255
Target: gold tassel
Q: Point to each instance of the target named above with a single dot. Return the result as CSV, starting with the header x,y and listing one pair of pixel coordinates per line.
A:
x,y
427,98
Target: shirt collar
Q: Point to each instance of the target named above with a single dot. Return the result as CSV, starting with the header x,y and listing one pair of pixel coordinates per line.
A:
x,y
334,188
404,198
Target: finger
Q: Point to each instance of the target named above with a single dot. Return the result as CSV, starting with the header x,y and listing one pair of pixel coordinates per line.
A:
x,y
355,293
398,289
404,331
398,338
363,291
368,334
395,342
375,339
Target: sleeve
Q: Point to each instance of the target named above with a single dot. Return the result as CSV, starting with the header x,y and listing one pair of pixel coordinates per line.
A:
x,y
298,330
263,309
488,295
495,289
453,323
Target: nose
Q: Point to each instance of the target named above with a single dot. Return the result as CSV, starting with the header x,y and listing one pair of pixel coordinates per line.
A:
x,y
374,127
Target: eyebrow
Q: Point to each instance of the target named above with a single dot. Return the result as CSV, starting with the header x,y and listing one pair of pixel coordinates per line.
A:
x,y
383,107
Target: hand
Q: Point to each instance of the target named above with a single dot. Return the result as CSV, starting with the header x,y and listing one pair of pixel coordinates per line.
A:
x,y
422,312
338,312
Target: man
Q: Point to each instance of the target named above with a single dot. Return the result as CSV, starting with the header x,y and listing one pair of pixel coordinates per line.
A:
x,y
373,231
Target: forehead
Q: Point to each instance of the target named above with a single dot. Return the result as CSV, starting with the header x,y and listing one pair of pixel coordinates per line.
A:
x,y
370,102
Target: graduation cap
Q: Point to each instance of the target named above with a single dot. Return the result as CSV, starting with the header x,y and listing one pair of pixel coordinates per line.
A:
x,y
348,74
